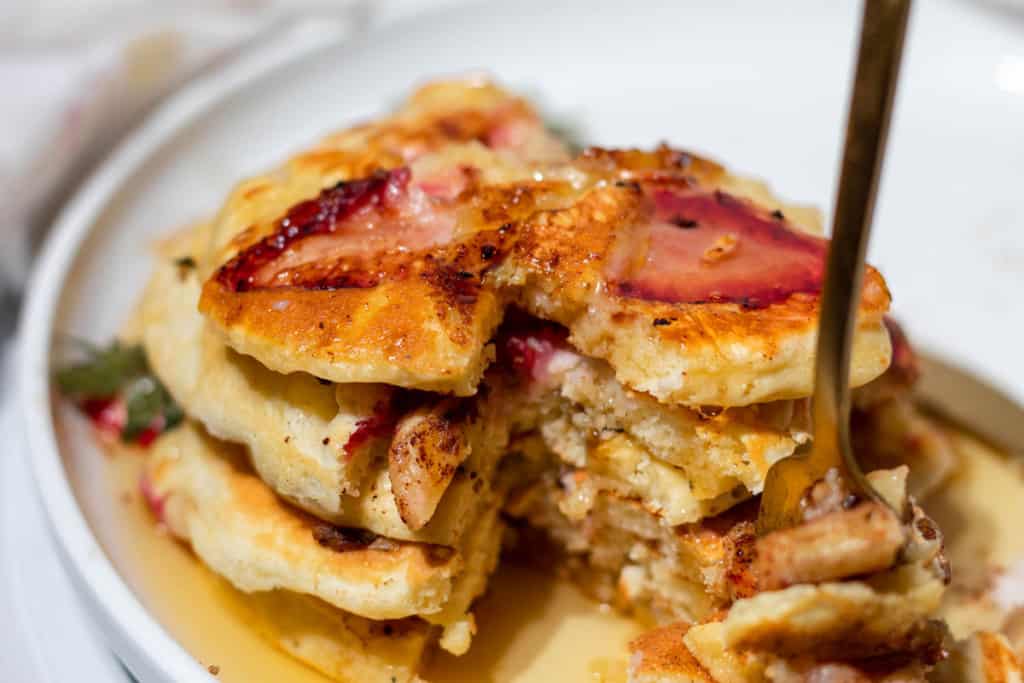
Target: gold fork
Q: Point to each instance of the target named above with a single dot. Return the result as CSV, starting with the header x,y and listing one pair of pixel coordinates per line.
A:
x,y
883,27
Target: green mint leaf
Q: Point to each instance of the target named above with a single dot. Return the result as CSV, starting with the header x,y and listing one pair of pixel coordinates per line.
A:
x,y
146,400
120,370
143,404
173,414
103,372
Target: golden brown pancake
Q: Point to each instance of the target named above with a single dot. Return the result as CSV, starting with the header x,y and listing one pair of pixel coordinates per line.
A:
x,y
322,266
327,448
693,291
205,493
655,261
657,658
361,260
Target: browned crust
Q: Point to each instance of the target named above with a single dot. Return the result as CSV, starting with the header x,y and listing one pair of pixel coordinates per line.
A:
x,y
409,333
567,249
838,545
419,330
998,662
427,324
295,533
691,353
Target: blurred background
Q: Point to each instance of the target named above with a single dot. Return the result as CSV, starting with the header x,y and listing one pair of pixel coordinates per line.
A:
x,y
79,74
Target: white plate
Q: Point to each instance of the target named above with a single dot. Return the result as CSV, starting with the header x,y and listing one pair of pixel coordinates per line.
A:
x,y
760,85
45,637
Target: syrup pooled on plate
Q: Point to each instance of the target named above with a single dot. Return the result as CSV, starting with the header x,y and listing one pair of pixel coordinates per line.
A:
x,y
548,632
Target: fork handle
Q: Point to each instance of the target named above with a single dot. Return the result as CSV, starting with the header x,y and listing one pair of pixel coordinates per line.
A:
x,y
881,45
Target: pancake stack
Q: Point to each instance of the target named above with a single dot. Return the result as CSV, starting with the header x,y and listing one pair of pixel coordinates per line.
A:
x,y
434,326
376,497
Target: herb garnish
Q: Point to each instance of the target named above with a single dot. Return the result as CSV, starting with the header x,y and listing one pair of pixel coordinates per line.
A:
x,y
117,389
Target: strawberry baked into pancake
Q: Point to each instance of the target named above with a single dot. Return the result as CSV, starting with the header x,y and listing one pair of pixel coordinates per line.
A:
x,y
695,289
341,263
642,256
438,335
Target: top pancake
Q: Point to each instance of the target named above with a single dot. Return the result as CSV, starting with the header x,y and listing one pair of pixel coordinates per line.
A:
x,y
693,284
690,282
418,325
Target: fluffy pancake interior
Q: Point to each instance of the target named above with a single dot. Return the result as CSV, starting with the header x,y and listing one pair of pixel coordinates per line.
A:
x,y
680,463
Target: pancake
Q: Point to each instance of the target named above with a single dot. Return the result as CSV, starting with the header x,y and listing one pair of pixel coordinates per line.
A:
x,y
682,464
622,555
694,292
679,463
828,621
324,447
658,658
845,584
716,450
397,267
846,601
851,611
205,494
299,294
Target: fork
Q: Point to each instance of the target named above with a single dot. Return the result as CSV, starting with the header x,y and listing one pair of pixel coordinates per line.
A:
x,y
883,27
